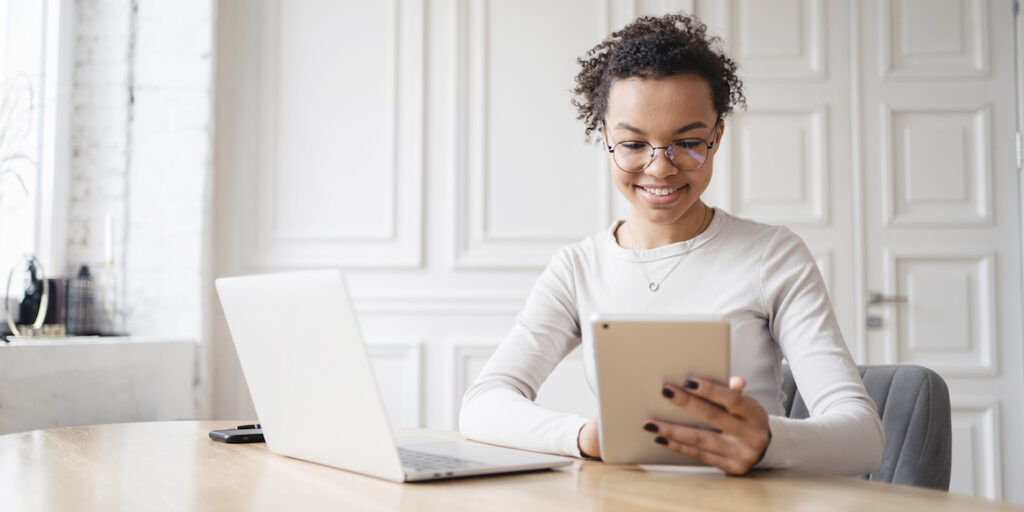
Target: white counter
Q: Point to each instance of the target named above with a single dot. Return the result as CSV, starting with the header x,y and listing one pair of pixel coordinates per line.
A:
x,y
51,382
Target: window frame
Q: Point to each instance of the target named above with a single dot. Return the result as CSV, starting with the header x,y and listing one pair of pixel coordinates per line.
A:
x,y
54,151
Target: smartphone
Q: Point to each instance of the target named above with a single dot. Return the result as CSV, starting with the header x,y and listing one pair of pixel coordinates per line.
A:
x,y
238,435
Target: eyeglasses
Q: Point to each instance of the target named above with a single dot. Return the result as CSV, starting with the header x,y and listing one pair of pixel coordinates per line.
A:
x,y
689,154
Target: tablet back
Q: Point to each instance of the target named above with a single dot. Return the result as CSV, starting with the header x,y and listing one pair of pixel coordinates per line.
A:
x,y
634,356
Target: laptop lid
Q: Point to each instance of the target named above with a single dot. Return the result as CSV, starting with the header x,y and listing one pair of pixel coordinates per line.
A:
x,y
308,372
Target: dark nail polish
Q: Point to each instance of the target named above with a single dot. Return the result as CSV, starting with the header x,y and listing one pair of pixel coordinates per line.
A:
x,y
661,440
691,384
651,427
667,393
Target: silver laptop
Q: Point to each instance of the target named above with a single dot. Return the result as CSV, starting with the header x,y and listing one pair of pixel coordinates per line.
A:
x,y
313,386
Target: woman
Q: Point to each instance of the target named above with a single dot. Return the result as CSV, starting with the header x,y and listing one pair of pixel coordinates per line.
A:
x,y
658,93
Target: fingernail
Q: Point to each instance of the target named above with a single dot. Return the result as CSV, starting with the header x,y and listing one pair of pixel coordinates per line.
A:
x,y
661,440
651,427
691,384
667,393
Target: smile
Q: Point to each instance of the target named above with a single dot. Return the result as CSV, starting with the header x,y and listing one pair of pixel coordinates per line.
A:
x,y
661,196
661,191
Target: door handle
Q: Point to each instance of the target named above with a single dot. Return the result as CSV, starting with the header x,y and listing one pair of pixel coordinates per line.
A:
x,y
878,298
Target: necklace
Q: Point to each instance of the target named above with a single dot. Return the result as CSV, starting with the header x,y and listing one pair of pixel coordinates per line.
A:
x,y
655,285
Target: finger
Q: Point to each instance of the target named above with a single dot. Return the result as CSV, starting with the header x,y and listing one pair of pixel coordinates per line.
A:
x,y
710,413
737,383
732,400
702,439
730,465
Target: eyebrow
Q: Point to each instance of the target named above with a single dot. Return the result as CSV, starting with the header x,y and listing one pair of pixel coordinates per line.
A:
x,y
684,129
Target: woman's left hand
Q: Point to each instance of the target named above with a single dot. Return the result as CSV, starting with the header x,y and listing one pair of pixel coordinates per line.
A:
x,y
742,425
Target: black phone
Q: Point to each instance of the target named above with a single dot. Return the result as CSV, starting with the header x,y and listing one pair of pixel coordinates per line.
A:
x,y
238,435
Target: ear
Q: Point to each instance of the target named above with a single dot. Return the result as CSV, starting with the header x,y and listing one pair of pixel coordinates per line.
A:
x,y
719,133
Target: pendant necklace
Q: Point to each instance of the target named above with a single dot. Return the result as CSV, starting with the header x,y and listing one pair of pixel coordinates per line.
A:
x,y
655,285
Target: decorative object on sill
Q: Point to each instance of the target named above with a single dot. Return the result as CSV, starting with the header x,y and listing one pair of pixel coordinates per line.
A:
x,y
57,307
81,304
108,308
8,303
36,298
108,289
46,331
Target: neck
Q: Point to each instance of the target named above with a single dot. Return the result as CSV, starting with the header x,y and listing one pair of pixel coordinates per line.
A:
x,y
646,235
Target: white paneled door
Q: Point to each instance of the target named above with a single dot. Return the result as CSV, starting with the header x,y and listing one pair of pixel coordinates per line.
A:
x,y
941,218
398,140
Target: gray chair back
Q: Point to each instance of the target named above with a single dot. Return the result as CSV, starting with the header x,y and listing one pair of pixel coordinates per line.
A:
x,y
913,403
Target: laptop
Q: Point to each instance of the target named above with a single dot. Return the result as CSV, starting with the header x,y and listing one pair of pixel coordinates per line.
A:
x,y
312,383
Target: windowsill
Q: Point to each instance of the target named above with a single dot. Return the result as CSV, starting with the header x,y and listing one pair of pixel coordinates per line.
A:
x,y
36,341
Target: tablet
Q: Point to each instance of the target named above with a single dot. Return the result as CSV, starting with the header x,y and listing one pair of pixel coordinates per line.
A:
x,y
634,356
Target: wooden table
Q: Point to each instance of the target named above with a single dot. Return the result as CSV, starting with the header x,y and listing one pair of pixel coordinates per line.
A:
x,y
175,466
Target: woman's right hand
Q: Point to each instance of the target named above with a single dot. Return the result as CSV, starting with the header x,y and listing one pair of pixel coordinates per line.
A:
x,y
588,440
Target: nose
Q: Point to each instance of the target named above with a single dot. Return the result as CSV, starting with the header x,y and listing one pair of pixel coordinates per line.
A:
x,y
661,166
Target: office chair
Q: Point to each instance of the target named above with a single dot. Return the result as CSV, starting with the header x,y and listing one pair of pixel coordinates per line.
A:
x,y
913,403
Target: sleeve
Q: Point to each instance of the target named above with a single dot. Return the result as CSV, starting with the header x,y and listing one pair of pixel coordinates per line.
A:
x,y
499,407
843,434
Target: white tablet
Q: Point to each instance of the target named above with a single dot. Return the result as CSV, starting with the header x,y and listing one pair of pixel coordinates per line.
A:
x,y
634,356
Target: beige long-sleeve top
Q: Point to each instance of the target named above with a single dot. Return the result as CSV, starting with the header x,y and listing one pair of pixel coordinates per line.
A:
x,y
761,278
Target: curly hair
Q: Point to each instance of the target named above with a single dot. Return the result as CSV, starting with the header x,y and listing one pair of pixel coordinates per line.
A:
x,y
655,47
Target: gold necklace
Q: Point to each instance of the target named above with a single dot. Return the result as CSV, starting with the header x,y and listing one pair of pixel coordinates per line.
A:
x,y
655,285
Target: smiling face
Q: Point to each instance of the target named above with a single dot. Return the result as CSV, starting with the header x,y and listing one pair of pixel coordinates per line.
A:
x,y
660,111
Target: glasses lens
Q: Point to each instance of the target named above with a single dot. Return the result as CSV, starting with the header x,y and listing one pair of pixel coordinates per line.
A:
x,y
632,156
689,154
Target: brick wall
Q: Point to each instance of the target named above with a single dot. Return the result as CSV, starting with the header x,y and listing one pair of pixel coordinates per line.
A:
x,y
141,136
170,165
100,117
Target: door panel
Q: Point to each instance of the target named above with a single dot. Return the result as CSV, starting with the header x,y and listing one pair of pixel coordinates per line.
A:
x,y
948,321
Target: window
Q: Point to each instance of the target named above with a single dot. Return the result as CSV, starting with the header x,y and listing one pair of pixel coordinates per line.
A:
x,y
33,44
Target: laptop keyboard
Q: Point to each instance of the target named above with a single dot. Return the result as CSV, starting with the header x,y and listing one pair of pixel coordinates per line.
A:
x,y
441,465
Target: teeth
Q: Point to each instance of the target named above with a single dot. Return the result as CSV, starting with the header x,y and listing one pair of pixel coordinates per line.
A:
x,y
659,191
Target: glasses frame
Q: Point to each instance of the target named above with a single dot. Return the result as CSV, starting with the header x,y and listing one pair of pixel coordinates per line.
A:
x,y
668,154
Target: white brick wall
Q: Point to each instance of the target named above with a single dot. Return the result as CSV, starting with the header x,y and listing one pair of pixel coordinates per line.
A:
x,y
170,165
101,110
141,140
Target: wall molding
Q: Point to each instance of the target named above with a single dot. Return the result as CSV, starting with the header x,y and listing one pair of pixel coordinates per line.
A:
x,y
810,64
417,302
981,215
460,352
814,210
983,413
398,246
409,353
976,63
981,359
476,246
